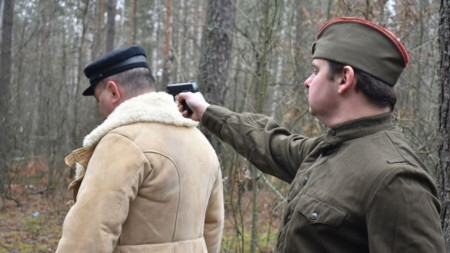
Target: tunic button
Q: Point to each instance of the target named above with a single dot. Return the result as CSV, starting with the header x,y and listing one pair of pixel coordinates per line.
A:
x,y
314,216
305,180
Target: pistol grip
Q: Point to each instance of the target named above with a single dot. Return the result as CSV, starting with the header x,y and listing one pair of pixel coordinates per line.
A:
x,y
186,107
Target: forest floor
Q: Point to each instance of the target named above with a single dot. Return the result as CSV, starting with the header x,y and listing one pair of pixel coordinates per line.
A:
x,y
35,225
32,222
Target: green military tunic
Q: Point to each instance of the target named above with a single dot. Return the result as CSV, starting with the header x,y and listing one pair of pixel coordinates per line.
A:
x,y
360,188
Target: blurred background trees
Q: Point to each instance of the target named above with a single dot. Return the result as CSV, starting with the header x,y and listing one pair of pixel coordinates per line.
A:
x,y
248,55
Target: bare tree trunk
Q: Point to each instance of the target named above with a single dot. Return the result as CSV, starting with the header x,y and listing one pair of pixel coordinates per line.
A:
x,y
266,43
111,25
43,114
177,34
216,48
132,19
75,91
166,48
181,53
100,29
1,13
217,40
444,118
5,79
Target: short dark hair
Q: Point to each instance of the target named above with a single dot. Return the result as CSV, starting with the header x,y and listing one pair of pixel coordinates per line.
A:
x,y
135,81
380,93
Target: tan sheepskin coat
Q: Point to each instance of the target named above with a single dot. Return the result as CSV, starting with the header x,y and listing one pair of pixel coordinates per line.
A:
x,y
147,181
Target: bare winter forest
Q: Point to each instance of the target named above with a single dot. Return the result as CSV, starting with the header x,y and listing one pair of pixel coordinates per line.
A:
x,y
247,55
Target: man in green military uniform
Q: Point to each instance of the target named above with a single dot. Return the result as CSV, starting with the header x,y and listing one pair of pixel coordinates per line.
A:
x,y
360,187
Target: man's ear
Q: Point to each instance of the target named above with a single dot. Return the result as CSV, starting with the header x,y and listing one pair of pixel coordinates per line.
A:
x,y
347,79
114,91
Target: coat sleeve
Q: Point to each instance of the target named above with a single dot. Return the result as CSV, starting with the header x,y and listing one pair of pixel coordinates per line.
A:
x,y
214,217
94,222
269,146
403,214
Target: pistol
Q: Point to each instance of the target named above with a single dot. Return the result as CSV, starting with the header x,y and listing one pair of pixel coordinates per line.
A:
x,y
176,88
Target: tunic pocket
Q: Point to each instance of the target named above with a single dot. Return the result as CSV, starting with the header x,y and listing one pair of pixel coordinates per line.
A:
x,y
319,212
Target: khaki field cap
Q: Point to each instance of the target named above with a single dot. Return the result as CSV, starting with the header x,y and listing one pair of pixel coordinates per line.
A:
x,y
114,62
364,45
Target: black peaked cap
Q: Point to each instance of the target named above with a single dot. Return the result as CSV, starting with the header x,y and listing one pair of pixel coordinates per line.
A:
x,y
112,63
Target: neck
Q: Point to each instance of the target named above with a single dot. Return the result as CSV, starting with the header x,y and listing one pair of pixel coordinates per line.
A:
x,y
349,112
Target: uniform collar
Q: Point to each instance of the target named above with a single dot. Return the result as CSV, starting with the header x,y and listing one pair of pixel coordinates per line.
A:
x,y
358,128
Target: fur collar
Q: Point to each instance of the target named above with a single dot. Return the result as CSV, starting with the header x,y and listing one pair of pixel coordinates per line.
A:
x,y
151,107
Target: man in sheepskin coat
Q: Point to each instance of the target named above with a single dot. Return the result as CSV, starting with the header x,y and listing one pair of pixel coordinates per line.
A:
x,y
147,180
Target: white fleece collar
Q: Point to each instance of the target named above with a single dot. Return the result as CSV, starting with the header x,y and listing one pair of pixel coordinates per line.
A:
x,y
156,107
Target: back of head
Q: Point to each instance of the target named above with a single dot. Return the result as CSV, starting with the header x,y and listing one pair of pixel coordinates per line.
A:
x,y
134,82
127,66
364,45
